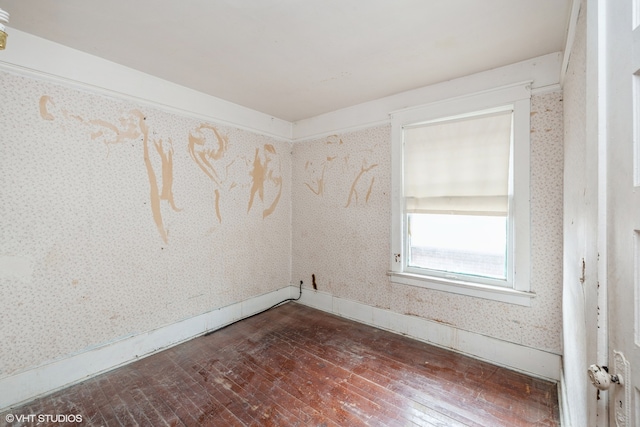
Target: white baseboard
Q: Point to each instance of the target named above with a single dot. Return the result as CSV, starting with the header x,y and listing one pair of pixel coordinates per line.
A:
x,y
25,386
28,385
563,399
531,361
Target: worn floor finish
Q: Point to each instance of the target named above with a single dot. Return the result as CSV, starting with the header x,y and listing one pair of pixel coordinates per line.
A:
x,y
296,366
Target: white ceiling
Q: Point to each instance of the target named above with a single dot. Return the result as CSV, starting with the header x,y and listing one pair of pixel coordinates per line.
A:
x,y
295,59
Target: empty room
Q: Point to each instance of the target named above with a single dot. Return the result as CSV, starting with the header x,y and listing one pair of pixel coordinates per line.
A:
x,y
320,212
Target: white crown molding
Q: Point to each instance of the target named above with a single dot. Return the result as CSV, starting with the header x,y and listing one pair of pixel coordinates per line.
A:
x,y
543,72
33,56
36,57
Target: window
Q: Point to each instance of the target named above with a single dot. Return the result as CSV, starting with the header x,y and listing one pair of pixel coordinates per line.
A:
x,y
461,195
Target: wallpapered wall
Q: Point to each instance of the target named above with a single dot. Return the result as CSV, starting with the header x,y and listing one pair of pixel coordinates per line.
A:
x,y
118,218
341,220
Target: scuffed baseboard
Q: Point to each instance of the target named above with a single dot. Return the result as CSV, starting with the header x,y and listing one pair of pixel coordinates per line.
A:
x,y
25,386
47,378
531,361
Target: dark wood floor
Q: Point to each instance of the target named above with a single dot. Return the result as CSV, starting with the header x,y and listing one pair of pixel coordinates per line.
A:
x,y
296,366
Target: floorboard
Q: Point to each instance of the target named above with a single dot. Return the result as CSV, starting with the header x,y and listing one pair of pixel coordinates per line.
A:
x,y
297,366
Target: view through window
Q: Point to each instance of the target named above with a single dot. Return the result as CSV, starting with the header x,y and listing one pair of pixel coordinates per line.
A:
x,y
466,244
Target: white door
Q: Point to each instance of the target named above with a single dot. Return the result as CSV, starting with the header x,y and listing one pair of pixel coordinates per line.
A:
x,y
623,206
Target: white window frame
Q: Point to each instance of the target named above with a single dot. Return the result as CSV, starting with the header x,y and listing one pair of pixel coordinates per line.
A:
x,y
518,285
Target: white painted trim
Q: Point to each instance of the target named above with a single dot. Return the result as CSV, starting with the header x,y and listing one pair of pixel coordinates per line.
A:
x,y
340,131
546,89
542,71
563,402
517,289
486,98
36,57
531,361
476,290
571,35
597,112
28,385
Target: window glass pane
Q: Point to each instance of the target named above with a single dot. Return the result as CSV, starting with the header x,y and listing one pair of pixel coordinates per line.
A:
x,y
464,244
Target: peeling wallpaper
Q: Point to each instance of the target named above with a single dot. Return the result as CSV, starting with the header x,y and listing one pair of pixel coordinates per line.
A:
x,y
118,218
346,242
341,214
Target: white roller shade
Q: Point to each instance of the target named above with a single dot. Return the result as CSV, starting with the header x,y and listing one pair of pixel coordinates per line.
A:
x,y
459,166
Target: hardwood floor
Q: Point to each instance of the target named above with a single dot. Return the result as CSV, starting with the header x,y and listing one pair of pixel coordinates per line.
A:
x,y
296,366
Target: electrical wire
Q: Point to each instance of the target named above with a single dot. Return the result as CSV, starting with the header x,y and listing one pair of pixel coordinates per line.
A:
x,y
260,312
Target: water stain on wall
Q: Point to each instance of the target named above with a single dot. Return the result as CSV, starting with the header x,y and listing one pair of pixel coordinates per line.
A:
x,y
44,112
264,172
317,184
111,134
363,179
128,128
207,147
166,158
154,194
353,192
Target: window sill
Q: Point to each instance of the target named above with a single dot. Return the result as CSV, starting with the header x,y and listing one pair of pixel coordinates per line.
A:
x,y
477,290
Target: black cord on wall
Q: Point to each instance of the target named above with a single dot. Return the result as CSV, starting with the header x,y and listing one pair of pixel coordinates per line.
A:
x,y
260,312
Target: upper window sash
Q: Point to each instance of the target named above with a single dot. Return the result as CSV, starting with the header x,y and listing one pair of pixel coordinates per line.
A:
x,y
459,165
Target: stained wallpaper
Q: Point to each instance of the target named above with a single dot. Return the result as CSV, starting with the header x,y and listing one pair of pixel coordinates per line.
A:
x,y
123,218
345,242
118,218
